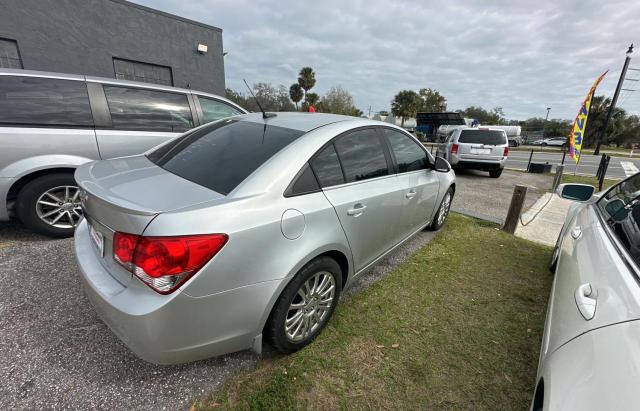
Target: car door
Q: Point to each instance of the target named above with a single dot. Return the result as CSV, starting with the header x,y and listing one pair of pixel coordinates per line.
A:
x,y
418,182
142,119
354,171
596,284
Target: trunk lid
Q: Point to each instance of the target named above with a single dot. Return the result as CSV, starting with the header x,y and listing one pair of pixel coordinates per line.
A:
x,y
482,144
125,194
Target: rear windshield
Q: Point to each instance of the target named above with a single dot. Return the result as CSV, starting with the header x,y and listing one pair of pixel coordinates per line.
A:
x,y
490,137
223,154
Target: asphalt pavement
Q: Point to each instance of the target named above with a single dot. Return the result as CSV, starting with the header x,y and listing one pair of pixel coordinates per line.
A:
x,y
619,167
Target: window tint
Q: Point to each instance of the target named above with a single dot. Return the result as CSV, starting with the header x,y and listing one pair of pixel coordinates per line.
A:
x,y
44,101
489,137
327,167
304,183
9,55
409,156
213,110
145,72
220,156
621,208
149,110
362,155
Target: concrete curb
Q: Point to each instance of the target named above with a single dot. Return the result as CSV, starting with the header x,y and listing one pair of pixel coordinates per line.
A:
x,y
479,216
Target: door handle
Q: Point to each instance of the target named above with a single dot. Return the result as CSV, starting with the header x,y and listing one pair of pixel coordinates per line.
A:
x,y
411,193
576,232
586,301
357,210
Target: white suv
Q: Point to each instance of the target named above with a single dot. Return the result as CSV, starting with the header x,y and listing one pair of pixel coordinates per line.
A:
x,y
476,148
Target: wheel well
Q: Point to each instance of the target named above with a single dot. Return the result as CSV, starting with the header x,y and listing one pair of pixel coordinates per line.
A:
x,y
453,187
24,180
342,261
538,399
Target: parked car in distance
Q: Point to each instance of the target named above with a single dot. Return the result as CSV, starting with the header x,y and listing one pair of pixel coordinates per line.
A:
x,y
52,123
476,148
552,141
590,354
248,227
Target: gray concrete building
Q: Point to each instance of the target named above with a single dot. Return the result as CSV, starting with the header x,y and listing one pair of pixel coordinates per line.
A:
x,y
111,38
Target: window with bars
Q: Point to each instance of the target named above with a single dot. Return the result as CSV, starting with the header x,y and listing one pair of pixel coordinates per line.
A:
x,y
9,55
144,72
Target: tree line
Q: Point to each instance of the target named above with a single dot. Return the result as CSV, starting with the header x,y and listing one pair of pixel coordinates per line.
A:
x,y
297,97
623,129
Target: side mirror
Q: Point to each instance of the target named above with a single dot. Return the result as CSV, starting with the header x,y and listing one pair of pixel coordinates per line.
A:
x,y
441,165
576,192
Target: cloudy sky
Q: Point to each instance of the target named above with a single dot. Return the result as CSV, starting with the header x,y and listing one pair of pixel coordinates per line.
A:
x,y
519,55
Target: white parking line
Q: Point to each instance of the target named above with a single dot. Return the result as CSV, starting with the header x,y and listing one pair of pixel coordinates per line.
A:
x,y
629,168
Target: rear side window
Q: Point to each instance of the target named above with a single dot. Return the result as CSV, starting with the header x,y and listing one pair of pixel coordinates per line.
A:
x,y
220,156
304,183
44,101
409,156
489,137
327,167
362,155
213,110
148,110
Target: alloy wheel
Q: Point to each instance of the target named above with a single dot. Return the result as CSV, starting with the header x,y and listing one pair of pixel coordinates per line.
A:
x,y
60,206
310,307
444,209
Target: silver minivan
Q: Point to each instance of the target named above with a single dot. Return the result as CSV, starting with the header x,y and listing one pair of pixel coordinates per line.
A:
x,y
52,123
477,148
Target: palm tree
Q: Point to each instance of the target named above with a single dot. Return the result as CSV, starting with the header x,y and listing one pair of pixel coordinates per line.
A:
x,y
405,104
306,80
296,93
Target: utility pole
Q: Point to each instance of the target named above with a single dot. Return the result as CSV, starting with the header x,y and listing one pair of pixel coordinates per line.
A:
x,y
603,132
544,125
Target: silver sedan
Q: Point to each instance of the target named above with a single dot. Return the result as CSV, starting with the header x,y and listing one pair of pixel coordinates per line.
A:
x,y
249,227
590,354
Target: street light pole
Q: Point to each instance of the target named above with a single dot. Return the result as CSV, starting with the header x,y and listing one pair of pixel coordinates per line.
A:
x,y
603,132
544,125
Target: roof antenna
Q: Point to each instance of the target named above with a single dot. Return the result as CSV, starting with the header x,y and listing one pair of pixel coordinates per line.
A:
x,y
264,114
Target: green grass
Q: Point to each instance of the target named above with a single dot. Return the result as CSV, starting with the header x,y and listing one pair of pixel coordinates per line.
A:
x,y
458,326
570,178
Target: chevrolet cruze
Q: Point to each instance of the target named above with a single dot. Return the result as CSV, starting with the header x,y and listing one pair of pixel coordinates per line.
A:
x,y
249,227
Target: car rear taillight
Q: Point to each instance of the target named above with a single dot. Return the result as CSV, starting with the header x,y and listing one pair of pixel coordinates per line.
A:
x,y
454,149
506,151
165,263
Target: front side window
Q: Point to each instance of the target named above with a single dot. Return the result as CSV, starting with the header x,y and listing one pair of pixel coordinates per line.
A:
x,y
362,155
213,110
409,156
621,209
148,110
44,101
488,137
220,156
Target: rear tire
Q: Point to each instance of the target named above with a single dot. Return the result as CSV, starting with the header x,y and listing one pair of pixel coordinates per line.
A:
x,y
443,211
37,210
495,173
296,321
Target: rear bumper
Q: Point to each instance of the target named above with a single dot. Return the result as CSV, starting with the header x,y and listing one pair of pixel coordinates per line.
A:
x,y
480,164
175,328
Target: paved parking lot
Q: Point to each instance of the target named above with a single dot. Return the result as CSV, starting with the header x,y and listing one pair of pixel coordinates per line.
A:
x,y
57,353
489,198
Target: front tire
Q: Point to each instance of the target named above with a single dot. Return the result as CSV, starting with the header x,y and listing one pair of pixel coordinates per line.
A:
x,y
49,205
443,211
305,306
495,173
